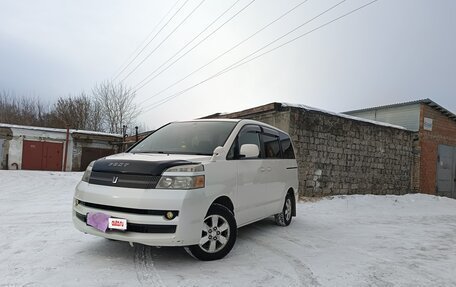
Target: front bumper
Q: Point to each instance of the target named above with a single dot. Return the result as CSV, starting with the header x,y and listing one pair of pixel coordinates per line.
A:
x,y
149,228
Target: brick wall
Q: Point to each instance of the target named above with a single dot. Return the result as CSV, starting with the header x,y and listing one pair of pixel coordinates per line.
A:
x,y
337,155
443,132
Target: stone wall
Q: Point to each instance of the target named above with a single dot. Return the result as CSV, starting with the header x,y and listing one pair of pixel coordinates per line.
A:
x,y
338,155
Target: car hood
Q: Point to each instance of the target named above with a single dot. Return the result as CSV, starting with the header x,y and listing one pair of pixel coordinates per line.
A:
x,y
158,157
144,164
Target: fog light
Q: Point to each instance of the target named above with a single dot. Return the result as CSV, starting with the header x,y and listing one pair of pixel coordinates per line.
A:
x,y
169,215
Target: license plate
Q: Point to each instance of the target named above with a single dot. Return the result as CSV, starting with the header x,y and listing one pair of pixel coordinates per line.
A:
x,y
117,223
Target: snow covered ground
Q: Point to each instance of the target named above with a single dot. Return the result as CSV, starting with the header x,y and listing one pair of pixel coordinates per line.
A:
x,y
344,241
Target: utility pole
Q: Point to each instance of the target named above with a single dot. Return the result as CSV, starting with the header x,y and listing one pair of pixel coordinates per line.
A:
x,y
124,134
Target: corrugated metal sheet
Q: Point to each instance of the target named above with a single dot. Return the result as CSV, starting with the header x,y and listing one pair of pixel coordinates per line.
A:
x,y
407,116
428,102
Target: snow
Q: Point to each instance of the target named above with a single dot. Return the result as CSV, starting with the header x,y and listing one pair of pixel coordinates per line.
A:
x,y
55,130
308,108
359,240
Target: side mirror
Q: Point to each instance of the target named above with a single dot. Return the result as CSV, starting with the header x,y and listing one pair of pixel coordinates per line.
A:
x,y
249,151
217,151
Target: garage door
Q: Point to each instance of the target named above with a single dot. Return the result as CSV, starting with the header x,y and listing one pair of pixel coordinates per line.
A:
x,y
90,154
42,155
446,171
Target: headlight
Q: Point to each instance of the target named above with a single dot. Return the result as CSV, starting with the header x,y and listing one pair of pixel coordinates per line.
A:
x,y
87,173
186,168
184,181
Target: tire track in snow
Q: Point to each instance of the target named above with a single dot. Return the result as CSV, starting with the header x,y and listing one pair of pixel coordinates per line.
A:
x,y
146,272
305,275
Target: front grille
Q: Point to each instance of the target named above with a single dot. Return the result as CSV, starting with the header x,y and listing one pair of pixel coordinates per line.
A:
x,y
124,180
139,228
128,210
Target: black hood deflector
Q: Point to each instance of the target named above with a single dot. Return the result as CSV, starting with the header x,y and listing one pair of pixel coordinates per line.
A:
x,y
119,166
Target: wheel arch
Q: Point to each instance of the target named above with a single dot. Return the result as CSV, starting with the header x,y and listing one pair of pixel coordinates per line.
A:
x,y
293,201
224,201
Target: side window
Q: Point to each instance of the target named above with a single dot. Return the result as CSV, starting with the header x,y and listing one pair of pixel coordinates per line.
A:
x,y
250,134
249,137
271,146
232,152
287,148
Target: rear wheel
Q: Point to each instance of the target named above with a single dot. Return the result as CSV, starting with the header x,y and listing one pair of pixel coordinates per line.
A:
x,y
284,218
217,236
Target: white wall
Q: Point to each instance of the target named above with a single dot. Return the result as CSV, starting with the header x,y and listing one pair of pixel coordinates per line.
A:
x,y
15,153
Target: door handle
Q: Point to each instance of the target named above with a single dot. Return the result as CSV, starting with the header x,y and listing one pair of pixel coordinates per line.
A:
x,y
269,169
262,169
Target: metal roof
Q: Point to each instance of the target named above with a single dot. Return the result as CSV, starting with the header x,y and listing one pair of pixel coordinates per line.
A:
x,y
427,102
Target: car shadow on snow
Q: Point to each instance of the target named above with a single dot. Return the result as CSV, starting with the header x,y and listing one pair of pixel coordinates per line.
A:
x,y
112,249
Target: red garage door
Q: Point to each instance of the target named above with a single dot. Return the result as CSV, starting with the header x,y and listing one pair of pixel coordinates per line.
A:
x,y
42,155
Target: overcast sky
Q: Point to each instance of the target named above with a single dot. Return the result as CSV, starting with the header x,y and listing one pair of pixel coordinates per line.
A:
x,y
391,51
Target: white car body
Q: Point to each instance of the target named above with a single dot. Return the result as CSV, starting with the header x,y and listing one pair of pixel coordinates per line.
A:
x,y
256,189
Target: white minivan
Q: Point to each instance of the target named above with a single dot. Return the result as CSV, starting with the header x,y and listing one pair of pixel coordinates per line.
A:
x,y
191,184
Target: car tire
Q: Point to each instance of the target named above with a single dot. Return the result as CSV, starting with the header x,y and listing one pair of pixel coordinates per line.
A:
x,y
218,235
284,218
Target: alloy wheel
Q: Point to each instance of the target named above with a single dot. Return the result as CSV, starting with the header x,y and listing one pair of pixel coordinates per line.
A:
x,y
215,233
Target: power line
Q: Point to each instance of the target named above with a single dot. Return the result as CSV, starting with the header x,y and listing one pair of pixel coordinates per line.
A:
x,y
191,49
226,52
302,35
150,41
146,78
240,63
144,41
166,38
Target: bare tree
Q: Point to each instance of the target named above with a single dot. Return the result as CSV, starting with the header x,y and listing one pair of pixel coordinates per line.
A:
x,y
73,111
116,102
96,116
79,112
21,110
109,109
8,108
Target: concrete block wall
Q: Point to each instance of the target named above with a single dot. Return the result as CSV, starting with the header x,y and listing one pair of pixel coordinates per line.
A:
x,y
343,156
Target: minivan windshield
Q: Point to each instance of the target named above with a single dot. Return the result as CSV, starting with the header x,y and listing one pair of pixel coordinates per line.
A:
x,y
197,137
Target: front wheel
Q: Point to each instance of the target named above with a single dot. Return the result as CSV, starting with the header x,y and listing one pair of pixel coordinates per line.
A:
x,y
284,218
217,236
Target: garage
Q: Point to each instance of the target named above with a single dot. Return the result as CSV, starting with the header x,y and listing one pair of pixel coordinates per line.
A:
x,y
90,154
40,148
44,155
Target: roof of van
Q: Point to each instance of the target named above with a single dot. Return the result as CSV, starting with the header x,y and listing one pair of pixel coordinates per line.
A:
x,y
235,121
209,120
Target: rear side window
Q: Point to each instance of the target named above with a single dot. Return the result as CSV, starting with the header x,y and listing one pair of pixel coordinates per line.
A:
x,y
271,146
287,147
